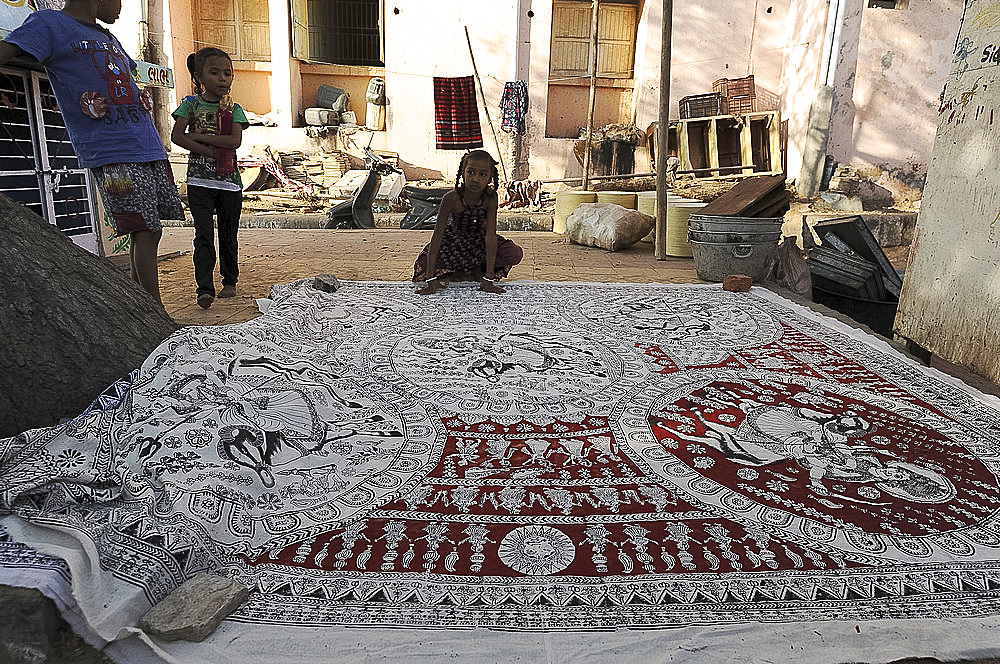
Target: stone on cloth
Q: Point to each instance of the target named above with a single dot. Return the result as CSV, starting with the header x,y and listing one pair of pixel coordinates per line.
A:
x,y
607,226
737,283
326,283
195,609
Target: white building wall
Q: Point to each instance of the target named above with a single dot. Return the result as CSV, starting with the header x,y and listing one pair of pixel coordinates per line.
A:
x,y
890,71
712,39
805,27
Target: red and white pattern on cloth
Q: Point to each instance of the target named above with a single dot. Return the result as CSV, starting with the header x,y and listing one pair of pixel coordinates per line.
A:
x,y
563,456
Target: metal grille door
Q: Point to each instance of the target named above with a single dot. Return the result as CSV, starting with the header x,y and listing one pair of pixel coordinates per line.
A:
x,y
38,166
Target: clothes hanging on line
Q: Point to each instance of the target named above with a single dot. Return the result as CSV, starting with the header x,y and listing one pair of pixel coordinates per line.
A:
x,y
514,107
456,114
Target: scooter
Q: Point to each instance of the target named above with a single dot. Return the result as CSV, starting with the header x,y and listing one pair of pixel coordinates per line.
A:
x,y
424,205
356,212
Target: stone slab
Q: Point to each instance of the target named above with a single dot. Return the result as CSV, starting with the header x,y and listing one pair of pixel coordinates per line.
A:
x,y
195,609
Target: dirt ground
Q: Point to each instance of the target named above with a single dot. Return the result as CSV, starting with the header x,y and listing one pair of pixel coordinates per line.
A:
x,y
277,256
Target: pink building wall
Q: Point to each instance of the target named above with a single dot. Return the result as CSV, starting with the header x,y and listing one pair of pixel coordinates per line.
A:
x,y
892,72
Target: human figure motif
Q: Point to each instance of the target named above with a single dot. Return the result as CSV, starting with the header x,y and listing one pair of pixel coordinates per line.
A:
x,y
525,352
820,443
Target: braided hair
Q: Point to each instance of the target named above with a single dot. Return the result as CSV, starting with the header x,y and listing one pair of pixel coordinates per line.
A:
x,y
196,62
481,155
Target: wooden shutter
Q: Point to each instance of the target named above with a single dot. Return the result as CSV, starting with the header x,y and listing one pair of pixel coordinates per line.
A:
x,y
570,47
216,25
616,40
255,30
570,38
300,29
239,27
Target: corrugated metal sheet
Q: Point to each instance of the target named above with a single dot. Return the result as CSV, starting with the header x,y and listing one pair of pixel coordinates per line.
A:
x,y
950,303
570,46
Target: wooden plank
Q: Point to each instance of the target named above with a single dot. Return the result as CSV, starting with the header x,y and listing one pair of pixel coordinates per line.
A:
x,y
683,147
775,210
713,144
746,147
744,195
779,198
774,129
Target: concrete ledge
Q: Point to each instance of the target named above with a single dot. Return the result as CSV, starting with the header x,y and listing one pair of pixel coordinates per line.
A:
x,y
506,220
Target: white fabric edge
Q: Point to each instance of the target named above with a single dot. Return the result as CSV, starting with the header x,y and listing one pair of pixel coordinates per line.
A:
x,y
788,643
56,588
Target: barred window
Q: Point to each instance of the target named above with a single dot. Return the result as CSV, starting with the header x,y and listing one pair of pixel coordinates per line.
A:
x,y
342,32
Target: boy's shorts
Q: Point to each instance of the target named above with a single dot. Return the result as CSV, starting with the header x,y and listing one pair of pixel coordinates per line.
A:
x,y
138,195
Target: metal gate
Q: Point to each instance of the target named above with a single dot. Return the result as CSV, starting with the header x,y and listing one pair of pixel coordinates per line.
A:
x,y
38,166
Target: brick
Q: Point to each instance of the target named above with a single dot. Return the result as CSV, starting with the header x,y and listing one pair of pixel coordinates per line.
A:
x,y
737,283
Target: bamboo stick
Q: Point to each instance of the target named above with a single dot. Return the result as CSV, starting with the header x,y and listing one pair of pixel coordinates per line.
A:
x,y
594,25
486,108
662,134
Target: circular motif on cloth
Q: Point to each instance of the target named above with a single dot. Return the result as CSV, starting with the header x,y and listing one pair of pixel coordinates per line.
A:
x,y
500,366
685,323
807,456
292,442
537,550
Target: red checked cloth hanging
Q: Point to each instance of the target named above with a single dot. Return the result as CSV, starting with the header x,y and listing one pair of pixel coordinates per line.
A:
x,y
456,115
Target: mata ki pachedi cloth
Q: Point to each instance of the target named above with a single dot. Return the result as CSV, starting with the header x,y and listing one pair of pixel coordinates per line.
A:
x,y
562,457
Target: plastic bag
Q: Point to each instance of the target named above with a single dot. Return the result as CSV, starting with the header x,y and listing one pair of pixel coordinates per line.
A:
x,y
792,270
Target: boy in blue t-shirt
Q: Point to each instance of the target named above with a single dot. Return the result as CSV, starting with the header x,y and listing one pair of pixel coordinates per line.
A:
x,y
108,120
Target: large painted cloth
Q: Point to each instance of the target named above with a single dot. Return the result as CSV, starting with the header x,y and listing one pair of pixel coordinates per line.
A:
x,y
558,461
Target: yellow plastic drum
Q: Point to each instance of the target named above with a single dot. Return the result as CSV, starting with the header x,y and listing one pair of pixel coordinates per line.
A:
x,y
624,198
647,205
678,213
646,202
566,202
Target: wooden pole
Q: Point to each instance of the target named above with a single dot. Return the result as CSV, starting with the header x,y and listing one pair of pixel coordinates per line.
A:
x,y
152,52
663,134
594,24
482,96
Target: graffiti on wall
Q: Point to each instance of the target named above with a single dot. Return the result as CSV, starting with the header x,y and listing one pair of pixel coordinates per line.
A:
x,y
956,108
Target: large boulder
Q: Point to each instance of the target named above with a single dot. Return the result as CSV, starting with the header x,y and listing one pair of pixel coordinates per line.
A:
x,y
71,323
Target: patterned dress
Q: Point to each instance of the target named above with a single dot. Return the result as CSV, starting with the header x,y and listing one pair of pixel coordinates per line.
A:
x,y
463,247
